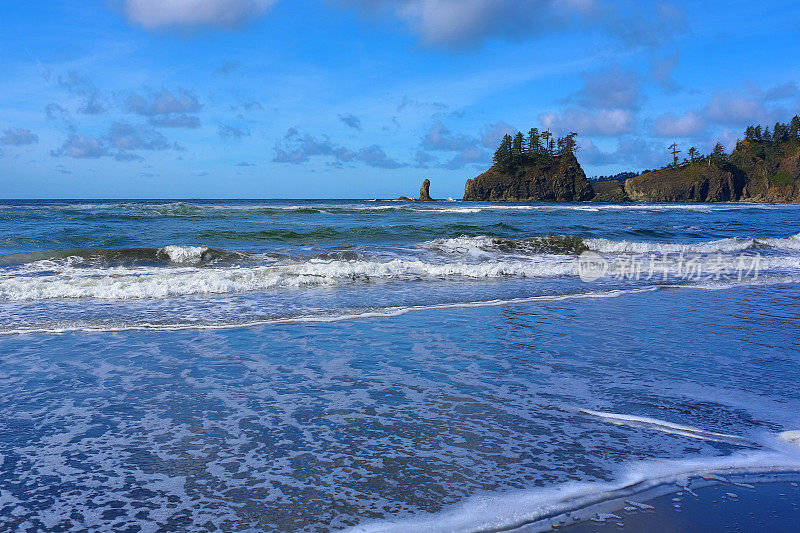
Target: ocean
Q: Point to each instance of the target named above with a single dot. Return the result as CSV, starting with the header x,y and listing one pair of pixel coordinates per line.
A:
x,y
289,365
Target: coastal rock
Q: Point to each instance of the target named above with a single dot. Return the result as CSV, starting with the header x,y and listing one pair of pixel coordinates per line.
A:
x,y
424,192
758,170
609,191
549,179
702,181
772,169
404,199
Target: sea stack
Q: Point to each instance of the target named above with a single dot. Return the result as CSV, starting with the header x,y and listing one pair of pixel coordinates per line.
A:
x,y
424,192
546,178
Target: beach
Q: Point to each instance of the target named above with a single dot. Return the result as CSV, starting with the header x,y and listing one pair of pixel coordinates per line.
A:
x,y
754,503
393,366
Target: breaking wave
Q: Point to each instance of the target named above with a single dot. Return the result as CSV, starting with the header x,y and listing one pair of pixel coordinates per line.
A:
x,y
142,282
567,244
170,271
125,256
135,283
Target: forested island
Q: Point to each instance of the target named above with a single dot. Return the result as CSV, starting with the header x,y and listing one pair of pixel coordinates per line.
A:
x,y
537,167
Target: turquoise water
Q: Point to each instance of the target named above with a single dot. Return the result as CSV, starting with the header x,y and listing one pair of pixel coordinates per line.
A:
x,y
317,365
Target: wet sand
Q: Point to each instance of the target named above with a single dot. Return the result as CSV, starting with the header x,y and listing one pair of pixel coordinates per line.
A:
x,y
726,506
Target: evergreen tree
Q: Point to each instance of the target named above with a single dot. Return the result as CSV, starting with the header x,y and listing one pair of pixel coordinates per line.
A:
x,y
693,154
546,136
780,132
503,154
767,136
519,142
794,127
750,133
757,135
718,153
534,142
674,151
568,144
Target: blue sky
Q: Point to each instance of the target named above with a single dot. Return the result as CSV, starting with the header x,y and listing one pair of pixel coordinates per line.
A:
x,y
366,98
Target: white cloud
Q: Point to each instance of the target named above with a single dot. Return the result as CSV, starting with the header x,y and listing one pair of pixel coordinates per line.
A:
x,y
156,14
18,137
734,110
613,88
297,149
163,102
82,147
606,122
458,22
441,139
454,23
669,125
494,133
662,72
634,151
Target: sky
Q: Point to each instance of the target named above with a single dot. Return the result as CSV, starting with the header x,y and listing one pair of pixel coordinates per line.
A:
x,y
366,98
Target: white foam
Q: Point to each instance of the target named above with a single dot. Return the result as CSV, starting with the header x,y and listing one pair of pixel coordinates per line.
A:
x,y
788,243
58,280
184,254
143,282
792,437
334,317
666,427
467,244
619,247
532,508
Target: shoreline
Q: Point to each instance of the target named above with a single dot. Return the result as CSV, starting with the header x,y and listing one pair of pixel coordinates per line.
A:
x,y
577,505
765,501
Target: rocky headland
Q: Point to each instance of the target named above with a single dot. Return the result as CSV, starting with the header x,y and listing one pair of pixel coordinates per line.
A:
x,y
547,179
764,167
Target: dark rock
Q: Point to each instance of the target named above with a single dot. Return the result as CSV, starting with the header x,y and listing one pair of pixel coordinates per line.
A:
x,y
610,191
701,181
424,192
548,179
404,199
756,171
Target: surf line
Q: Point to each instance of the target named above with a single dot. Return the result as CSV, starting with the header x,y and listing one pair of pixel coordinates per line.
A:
x,y
381,313
668,427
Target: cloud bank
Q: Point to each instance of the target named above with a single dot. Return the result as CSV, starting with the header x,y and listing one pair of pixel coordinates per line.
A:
x,y
459,23
160,14
18,137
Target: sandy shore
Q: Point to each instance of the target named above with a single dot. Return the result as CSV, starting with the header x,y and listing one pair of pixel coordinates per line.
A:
x,y
756,503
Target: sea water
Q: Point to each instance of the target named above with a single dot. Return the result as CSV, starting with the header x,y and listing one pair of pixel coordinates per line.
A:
x,y
385,366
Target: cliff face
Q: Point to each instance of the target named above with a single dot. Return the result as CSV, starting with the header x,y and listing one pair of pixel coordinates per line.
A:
x,y
757,171
549,179
772,169
610,191
702,181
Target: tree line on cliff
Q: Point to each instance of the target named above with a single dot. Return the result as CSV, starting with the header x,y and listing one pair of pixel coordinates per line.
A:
x,y
537,147
764,166
532,149
753,135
